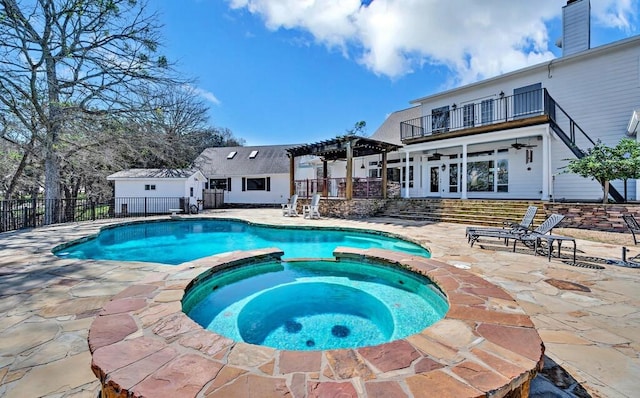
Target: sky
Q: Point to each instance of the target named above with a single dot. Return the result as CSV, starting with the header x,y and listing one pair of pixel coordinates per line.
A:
x,y
302,71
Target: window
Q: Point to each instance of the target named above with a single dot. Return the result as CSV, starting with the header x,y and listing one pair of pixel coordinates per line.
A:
x,y
453,177
220,183
253,154
150,187
468,115
480,177
440,119
231,154
256,184
483,174
486,111
503,175
527,101
191,192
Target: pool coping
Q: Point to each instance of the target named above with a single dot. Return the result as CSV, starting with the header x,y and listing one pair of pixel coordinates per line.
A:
x,y
142,344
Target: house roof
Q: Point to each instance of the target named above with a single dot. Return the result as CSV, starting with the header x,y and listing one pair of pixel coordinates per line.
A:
x,y
153,173
389,131
269,159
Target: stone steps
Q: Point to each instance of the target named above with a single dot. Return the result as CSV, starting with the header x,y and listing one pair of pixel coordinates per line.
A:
x,y
472,212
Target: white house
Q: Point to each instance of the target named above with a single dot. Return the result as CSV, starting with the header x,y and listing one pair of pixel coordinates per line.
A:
x,y
251,174
511,136
143,191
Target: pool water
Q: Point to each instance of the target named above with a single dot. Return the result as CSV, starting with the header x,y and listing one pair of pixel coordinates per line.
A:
x,y
176,242
315,305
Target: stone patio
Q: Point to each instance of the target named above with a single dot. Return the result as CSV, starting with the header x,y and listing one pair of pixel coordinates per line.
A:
x,y
47,304
142,343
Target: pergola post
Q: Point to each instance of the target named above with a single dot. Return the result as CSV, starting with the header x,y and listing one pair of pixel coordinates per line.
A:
x,y
341,148
383,175
325,176
349,182
292,175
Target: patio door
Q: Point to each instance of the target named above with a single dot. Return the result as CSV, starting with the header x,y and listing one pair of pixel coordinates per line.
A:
x,y
434,181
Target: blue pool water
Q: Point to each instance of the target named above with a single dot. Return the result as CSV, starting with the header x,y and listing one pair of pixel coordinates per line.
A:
x,y
315,305
175,242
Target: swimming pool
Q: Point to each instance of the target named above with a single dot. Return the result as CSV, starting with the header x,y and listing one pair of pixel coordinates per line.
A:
x,y
175,242
315,305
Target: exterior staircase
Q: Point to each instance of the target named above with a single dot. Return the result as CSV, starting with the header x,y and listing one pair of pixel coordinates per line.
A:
x,y
469,211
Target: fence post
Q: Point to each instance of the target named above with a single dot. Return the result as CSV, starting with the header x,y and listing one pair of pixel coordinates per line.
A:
x,y
145,206
93,210
34,212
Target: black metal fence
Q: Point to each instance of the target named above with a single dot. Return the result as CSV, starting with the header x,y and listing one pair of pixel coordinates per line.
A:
x,y
30,213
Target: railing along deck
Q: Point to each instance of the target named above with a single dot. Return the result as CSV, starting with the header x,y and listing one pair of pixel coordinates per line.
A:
x,y
487,112
363,187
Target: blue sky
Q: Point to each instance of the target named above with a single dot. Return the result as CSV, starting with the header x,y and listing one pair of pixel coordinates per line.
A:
x,y
299,71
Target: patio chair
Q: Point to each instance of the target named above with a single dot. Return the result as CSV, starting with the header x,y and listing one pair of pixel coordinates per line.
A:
x,y
289,209
524,224
633,226
527,237
312,210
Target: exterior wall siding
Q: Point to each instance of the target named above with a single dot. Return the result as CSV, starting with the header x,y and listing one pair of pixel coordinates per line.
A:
x,y
598,91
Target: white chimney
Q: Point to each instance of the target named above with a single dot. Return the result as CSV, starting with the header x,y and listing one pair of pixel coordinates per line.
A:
x,y
576,26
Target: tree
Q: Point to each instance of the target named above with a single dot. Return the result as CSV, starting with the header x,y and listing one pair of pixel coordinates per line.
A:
x,y
358,128
64,60
606,164
628,154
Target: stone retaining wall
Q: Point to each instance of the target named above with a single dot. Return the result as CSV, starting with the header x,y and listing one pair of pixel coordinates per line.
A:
x,y
342,208
594,216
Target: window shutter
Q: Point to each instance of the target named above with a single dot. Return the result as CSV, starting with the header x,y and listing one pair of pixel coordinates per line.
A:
x,y
268,183
229,184
244,184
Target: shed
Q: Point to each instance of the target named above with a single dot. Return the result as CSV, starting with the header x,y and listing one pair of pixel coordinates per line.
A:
x,y
143,191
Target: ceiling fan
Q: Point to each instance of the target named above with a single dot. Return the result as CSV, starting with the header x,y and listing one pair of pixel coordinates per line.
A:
x,y
518,145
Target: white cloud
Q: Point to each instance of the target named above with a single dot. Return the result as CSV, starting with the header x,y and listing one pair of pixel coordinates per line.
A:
x,y
474,39
207,95
619,14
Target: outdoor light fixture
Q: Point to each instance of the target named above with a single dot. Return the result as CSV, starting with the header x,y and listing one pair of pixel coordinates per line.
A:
x,y
362,165
501,94
443,167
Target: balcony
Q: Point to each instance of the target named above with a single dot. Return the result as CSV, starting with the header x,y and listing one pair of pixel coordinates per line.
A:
x,y
501,113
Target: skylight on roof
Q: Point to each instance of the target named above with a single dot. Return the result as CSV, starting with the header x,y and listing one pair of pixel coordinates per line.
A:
x,y
231,154
253,154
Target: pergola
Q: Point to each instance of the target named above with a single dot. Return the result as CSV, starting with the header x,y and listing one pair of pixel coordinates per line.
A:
x,y
342,148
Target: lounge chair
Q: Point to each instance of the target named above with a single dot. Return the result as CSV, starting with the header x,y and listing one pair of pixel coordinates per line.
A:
x,y
524,224
529,237
633,226
312,210
289,209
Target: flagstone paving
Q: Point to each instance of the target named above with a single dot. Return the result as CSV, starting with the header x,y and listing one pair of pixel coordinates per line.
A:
x,y
47,305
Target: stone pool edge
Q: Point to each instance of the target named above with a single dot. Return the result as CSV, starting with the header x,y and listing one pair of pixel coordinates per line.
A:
x,y
142,344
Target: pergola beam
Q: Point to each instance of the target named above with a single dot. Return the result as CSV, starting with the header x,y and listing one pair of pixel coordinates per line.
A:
x,y
342,148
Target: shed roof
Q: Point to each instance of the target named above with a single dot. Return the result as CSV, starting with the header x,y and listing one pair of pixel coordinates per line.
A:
x,y
268,159
152,173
